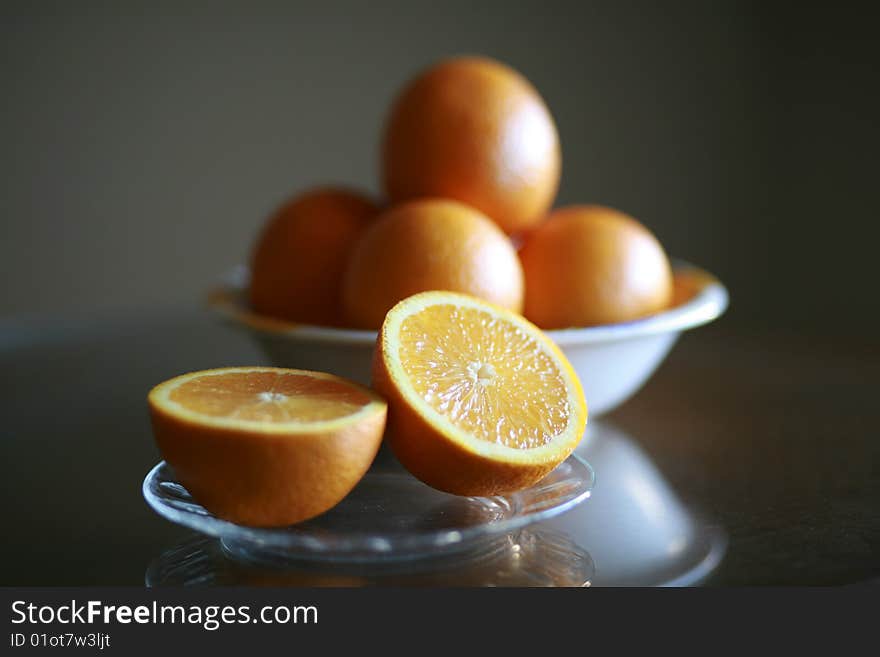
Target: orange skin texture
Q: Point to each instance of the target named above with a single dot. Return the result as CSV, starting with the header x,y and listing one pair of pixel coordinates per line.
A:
x,y
430,244
440,462
589,265
266,480
299,258
474,130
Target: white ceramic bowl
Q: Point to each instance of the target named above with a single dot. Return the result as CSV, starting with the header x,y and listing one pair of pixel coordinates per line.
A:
x,y
612,361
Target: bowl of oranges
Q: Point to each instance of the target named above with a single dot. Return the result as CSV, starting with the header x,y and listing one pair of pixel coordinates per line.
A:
x,y
470,166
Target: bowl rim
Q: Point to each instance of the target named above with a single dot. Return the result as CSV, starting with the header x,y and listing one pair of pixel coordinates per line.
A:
x,y
711,299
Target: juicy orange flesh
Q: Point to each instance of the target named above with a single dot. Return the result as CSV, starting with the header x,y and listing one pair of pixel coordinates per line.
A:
x,y
485,375
268,397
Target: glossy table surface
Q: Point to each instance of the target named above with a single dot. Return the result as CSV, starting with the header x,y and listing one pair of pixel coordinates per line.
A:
x,y
747,459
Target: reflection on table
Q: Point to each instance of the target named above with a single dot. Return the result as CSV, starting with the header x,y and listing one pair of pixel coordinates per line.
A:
x,y
634,525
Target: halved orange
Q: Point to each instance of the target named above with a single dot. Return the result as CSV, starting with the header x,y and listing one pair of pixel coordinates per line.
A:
x,y
266,446
481,402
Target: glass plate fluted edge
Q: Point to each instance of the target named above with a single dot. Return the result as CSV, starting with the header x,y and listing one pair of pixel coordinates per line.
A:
x,y
390,515
533,556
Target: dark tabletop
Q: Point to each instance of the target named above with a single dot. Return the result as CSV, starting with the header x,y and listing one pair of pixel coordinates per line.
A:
x,y
770,439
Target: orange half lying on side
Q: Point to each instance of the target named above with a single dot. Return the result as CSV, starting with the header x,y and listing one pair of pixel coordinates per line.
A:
x,y
266,446
481,402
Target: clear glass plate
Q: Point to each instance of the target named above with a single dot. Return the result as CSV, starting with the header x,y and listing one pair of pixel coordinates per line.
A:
x,y
534,557
390,515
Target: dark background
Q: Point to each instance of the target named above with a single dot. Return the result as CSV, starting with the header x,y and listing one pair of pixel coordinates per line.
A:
x,y
143,143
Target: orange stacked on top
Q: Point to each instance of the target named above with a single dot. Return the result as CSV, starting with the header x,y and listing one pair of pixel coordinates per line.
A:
x,y
477,131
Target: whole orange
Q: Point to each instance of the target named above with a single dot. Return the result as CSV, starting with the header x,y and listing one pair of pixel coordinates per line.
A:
x,y
299,258
431,244
474,130
589,265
